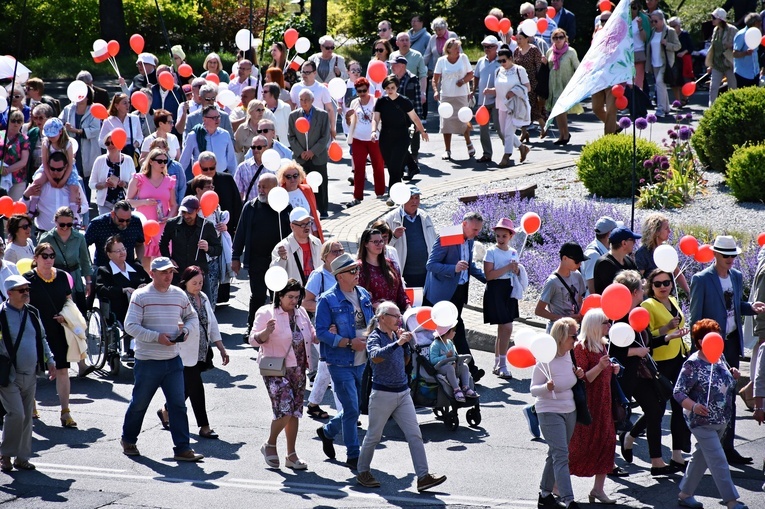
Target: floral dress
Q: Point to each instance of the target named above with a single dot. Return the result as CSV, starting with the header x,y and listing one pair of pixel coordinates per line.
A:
x,y
532,61
288,392
11,154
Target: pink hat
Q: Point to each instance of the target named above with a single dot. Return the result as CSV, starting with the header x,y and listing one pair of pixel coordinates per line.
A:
x,y
506,224
441,330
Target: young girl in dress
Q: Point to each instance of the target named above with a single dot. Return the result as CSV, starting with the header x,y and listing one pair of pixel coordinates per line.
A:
x,y
457,372
506,282
57,140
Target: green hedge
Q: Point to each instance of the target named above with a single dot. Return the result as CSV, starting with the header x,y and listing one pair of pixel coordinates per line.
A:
x,y
746,173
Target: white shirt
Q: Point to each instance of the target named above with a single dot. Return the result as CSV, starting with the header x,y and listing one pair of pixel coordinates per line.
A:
x,y
116,270
451,74
50,201
501,259
727,286
637,42
364,115
321,95
173,147
113,123
656,50
193,106
298,199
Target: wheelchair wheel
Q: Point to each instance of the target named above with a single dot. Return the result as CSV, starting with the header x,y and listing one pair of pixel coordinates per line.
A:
x,y
96,338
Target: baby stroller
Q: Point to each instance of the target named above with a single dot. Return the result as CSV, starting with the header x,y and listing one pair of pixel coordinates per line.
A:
x,y
431,391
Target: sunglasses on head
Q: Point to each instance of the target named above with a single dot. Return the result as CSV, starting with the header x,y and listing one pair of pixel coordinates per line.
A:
x,y
48,256
659,284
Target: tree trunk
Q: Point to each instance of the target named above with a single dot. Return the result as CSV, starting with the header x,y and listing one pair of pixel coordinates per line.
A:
x,y
113,22
319,17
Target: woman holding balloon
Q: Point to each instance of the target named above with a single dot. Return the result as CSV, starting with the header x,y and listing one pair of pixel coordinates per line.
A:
x,y
656,233
706,389
451,85
553,377
119,119
110,176
292,178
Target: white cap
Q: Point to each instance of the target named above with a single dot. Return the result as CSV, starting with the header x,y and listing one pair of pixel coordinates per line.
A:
x,y
298,214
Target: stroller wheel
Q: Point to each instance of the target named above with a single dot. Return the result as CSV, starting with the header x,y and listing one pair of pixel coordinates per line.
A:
x,y
473,417
452,420
439,413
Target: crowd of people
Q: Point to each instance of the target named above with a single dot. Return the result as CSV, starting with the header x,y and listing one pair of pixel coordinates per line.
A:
x,y
161,285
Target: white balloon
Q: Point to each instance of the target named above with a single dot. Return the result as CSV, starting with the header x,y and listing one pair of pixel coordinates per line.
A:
x,y
98,45
276,277
753,38
75,145
3,104
544,348
77,91
220,86
445,110
302,45
3,92
621,334
278,198
665,258
524,338
400,193
337,88
244,39
271,159
465,114
529,27
314,180
22,76
228,98
140,216
444,314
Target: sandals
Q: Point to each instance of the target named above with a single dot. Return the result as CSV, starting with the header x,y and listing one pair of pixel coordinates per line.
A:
x,y
446,155
470,393
459,396
524,136
67,422
272,460
165,424
316,412
471,150
298,464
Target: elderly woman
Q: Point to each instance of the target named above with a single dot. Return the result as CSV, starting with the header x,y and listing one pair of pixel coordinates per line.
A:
x,y
360,115
163,120
591,451
17,99
285,330
82,126
292,178
19,233
660,56
719,60
329,64
249,128
667,316
556,411
706,389
435,48
72,254
529,56
453,74
196,350
377,274
563,62
151,192
33,129
119,118
511,82
213,65
49,291
389,351
14,156
656,232
110,176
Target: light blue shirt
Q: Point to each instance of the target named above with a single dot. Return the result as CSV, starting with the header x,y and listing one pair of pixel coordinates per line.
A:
x,y
219,143
746,66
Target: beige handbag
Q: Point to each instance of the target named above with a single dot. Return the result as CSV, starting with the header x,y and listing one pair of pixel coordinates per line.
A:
x,y
274,366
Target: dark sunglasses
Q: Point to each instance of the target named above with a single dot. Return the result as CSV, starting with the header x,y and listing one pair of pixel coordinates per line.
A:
x,y
659,284
728,256
209,99
258,147
120,220
558,37
162,162
502,61
209,168
17,121
307,72
25,226
65,225
215,118
56,169
108,144
307,224
328,47
265,130
48,256
20,290
362,90
292,177
379,50
352,272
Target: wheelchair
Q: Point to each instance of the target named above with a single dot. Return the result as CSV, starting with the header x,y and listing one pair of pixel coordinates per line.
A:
x,y
104,337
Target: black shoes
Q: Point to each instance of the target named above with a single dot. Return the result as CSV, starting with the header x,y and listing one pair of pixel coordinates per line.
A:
x,y
327,444
550,502
477,375
352,463
680,467
626,453
734,458
665,470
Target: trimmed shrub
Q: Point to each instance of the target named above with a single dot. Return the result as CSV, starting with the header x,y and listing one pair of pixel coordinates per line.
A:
x,y
746,173
605,166
734,119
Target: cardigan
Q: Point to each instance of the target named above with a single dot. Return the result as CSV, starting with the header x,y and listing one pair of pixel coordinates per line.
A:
x,y
660,316
280,340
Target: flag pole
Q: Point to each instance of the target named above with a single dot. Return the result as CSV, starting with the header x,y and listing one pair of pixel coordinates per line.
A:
x,y
634,158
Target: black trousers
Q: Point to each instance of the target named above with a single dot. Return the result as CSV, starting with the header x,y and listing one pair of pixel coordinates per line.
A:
x,y
653,411
732,352
257,294
681,434
195,391
394,152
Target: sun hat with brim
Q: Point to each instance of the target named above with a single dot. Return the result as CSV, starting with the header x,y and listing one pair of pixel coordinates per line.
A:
x,y
53,127
443,329
146,58
14,281
726,245
342,263
506,224
720,14
162,263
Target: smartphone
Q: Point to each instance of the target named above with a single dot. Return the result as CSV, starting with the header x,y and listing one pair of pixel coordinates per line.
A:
x,y
180,338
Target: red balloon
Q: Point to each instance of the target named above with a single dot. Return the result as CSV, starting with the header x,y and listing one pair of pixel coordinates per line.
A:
x,y
99,111
196,169
492,23
688,89
185,70
335,151
551,12
6,206
530,222
377,71
19,208
604,6
113,47
136,43
504,25
761,239
119,136
520,357
166,80
639,319
140,102
617,90
712,346
213,77
616,301
762,41
482,115
688,245
290,37
209,202
592,301
302,125
424,319
704,254
621,103
151,228
542,25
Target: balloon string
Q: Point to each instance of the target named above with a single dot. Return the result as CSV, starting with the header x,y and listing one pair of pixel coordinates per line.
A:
x,y
525,238
422,325
549,376
204,219
711,372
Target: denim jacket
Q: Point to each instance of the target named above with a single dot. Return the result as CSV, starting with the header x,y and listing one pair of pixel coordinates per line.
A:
x,y
334,308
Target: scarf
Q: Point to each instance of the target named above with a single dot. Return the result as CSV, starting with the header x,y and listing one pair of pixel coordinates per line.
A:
x,y
414,37
558,54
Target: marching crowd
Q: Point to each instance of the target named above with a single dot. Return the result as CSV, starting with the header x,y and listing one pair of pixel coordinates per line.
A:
x,y
190,191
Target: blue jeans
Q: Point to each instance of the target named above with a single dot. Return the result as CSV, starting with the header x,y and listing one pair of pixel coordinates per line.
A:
x,y
346,382
150,376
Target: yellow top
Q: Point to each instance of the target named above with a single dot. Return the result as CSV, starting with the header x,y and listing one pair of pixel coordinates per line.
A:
x,y
660,316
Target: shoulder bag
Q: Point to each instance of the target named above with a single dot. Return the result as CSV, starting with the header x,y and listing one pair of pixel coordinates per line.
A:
x,y
580,398
571,293
275,366
647,370
673,76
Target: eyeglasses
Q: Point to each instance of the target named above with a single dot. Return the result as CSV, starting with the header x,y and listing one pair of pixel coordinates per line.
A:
x,y
558,37
108,144
379,50
119,251
383,29
209,99
48,256
52,168
307,224
337,252
502,61
307,72
25,226
355,70
397,317
161,162
215,118
294,176
659,284
258,147
328,47
362,90
653,21
123,221
209,187
728,256
352,271
208,168
264,130
65,225
170,122
20,290
378,242
16,121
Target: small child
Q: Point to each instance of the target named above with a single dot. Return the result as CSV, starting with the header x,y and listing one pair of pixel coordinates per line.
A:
x,y
506,282
443,348
57,140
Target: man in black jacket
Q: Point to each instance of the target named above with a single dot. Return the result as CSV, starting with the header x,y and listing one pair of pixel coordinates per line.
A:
x,y
409,87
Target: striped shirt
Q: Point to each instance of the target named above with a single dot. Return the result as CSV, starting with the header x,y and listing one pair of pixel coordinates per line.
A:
x,y
151,313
